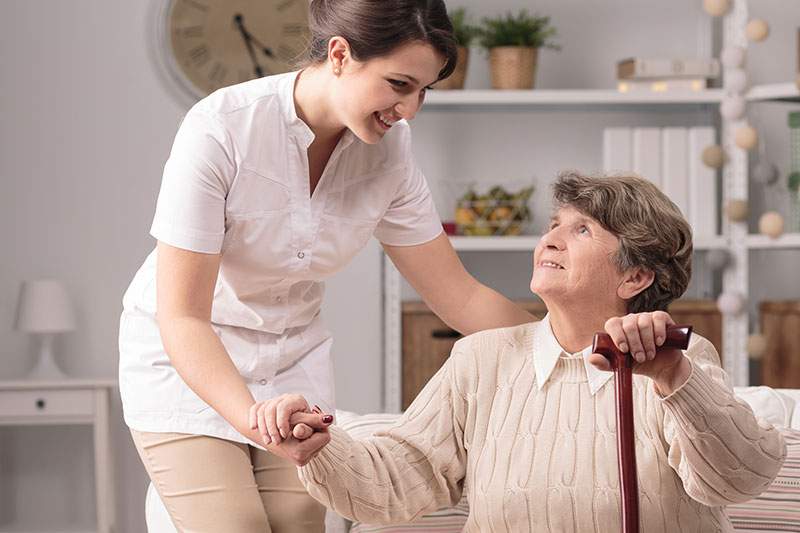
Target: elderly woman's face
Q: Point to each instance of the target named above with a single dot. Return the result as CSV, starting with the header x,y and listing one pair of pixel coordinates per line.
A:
x,y
574,261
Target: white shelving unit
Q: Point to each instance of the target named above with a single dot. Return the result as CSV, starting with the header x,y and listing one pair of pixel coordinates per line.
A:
x,y
734,237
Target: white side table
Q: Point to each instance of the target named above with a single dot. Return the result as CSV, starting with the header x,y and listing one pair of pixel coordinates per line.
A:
x,y
82,402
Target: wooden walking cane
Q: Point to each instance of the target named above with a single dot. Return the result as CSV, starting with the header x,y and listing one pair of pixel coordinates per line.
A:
x,y
622,365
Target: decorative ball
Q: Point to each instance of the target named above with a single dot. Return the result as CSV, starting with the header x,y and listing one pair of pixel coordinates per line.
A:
x,y
732,107
737,210
765,172
730,303
714,156
736,80
718,258
771,224
732,56
716,8
756,346
757,30
746,137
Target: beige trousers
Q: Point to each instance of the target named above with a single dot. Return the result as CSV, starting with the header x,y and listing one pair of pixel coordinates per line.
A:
x,y
211,485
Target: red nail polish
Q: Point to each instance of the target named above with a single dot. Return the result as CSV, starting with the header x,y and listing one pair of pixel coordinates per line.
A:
x,y
327,419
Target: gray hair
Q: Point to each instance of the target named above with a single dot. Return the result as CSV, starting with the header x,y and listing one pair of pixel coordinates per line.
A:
x,y
652,232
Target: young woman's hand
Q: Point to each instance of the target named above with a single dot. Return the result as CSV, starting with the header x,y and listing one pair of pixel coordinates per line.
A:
x,y
287,415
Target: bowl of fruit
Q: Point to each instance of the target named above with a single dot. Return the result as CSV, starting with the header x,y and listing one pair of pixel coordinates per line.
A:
x,y
496,211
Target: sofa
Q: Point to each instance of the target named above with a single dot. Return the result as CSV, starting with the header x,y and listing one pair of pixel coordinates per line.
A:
x,y
778,509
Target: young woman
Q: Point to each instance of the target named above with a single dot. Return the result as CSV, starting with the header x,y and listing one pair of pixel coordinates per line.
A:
x,y
271,187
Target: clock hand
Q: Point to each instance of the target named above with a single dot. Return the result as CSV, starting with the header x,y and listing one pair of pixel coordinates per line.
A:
x,y
247,38
267,50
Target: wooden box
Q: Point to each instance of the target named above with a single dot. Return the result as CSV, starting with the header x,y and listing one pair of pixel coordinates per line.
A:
x,y
427,341
780,325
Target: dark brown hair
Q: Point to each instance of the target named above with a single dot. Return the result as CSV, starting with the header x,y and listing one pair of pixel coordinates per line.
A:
x,y
652,232
375,28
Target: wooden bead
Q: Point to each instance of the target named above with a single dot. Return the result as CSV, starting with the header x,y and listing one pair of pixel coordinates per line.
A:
x,y
737,210
730,303
718,258
732,56
765,172
732,107
746,137
716,8
771,224
736,80
756,346
714,156
757,30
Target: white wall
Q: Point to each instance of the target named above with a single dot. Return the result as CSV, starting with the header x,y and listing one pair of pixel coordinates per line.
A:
x,y
85,127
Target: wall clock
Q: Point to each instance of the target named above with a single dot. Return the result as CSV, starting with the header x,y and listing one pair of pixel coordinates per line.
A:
x,y
202,45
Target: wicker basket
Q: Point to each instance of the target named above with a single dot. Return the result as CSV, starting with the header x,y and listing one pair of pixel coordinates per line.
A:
x,y
513,67
456,79
503,209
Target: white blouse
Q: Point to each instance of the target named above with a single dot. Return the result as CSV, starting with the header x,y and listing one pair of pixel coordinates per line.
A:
x,y
237,183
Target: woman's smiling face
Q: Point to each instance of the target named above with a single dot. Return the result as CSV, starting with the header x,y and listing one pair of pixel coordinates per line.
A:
x,y
375,94
574,261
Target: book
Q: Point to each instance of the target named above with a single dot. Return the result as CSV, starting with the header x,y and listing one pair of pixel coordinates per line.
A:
x,y
703,189
675,167
647,68
647,153
617,150
662,85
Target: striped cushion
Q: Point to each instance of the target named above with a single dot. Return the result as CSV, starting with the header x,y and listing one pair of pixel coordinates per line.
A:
x,y
443,521
778,508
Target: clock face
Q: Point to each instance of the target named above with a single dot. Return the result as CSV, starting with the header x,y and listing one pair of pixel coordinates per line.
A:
x,y
215,43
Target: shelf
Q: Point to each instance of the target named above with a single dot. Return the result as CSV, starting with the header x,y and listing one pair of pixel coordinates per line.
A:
x,y
495,244
774,92
600,97
528,242
762,242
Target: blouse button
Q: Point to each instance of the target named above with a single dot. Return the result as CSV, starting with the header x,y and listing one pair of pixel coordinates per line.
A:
x,y
300,255
263,382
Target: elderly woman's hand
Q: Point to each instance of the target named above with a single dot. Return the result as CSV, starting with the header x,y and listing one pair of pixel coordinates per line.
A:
x,y
642,334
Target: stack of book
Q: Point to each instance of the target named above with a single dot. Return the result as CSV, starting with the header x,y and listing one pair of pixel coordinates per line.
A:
x,y
665,75
672,158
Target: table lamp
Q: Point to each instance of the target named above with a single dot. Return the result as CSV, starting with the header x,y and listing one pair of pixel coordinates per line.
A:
x,y
45,309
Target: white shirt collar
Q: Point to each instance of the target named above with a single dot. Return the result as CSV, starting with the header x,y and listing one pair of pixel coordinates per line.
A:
x,y
296,125
546,352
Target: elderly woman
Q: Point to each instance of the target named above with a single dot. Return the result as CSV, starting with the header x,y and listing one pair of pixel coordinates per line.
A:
x,y
523,418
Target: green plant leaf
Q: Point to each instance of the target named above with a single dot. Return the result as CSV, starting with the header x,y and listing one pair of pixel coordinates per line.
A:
x,y
464,32
522,29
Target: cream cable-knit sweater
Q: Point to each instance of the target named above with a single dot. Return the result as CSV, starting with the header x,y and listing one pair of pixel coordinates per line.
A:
x,y
545,459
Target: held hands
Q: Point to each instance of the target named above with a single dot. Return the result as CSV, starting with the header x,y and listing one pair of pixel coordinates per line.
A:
x,y
642,334
289,428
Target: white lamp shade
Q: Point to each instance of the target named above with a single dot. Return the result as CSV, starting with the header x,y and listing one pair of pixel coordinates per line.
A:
x,y
44,307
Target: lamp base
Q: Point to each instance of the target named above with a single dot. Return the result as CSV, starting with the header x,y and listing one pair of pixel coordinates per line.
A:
x,y
46,368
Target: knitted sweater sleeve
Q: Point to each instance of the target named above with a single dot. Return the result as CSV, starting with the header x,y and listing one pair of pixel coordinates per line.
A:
x,y
721,452
416,466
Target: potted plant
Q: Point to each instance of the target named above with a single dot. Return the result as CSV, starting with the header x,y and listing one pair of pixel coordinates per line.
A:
x,y
513,42
465,33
